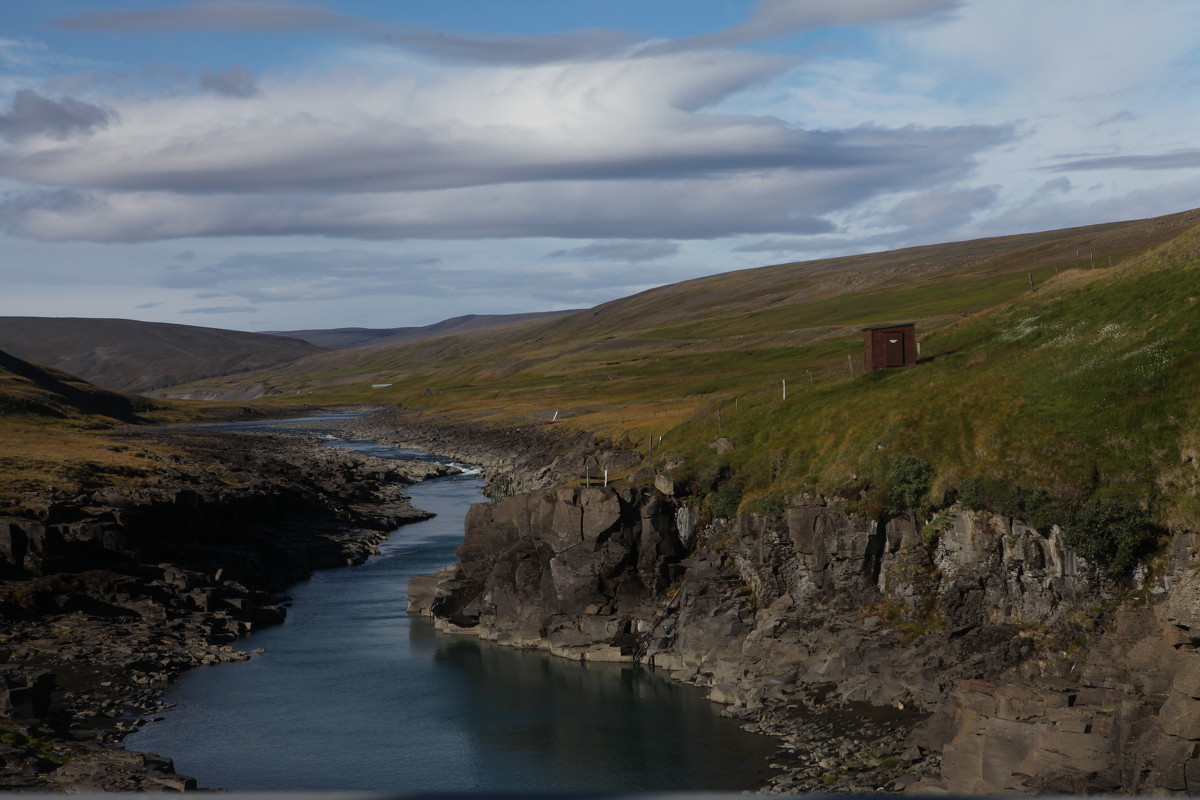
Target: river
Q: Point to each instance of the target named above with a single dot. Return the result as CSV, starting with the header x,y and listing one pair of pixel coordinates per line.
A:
x,y
353,693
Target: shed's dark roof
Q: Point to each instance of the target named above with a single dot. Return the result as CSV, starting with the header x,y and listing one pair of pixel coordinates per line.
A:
x,y
893,325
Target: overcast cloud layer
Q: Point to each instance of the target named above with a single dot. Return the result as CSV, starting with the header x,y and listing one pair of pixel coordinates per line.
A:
x,y
383,171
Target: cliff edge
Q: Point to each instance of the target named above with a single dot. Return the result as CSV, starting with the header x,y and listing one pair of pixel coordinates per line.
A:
x,y
974,656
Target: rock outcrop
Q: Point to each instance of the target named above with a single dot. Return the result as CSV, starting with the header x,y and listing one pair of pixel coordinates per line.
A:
x,y
567,569
971,654
107,596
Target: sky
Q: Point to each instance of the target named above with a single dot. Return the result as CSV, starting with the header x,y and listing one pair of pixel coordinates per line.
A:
x,y
292,164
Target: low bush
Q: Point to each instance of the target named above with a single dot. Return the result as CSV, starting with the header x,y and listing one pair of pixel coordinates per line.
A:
x,y
1112,536
771,504
908,486
724,501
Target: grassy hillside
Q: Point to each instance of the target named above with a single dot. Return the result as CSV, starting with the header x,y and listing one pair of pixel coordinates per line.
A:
x,y
29,390
1088,387
52,428
342,338
1085,389
60,432
647,362
130,356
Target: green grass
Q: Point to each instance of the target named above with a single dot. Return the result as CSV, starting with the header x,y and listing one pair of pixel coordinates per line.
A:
x,y
1088,387
952,295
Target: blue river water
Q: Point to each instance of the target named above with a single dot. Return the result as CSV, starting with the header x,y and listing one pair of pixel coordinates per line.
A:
x,y
354,693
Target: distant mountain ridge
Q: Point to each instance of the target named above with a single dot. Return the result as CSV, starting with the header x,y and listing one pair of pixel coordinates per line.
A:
x,y
344,338
132,356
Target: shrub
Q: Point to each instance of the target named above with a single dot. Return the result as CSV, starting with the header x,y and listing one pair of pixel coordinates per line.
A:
x,y
771,504
1036,508
971,493
1112,536
724,501
908,484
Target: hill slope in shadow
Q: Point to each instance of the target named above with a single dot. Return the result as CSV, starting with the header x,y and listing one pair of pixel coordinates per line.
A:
x,y
131,356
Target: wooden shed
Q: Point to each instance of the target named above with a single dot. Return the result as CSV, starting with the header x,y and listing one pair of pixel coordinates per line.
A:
x,y
890,346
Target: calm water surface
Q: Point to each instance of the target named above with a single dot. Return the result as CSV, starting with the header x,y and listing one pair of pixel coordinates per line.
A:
x,y
353,693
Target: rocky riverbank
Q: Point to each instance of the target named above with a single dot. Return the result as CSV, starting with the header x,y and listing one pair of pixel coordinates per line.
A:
x,y
515,458
972,654
105,597
969,654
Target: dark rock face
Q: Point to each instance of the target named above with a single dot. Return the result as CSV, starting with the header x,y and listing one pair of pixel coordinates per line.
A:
x,y
108,596
566,569
817,623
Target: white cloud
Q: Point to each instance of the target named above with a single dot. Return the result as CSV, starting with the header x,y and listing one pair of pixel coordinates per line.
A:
x,y
271,277
772,19
613,148
619,251
889,123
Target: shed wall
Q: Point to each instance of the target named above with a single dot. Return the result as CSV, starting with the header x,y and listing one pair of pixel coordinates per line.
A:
x,y
893,346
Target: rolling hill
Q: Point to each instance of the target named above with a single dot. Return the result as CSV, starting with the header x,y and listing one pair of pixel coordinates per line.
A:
x,y
30,390
1083,386
130,356
342,338
760,310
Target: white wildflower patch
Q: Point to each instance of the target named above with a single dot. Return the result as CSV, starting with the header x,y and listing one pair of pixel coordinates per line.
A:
x,y
1025,327
1066,336
1154,361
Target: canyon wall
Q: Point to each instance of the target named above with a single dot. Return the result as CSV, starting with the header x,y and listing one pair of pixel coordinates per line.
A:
x,y
1010,666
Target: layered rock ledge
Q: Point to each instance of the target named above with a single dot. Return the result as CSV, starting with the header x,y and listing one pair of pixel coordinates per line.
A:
x,y
105,597
973,656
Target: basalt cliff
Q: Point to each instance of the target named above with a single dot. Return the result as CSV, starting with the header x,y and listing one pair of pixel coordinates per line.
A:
x,y
974,655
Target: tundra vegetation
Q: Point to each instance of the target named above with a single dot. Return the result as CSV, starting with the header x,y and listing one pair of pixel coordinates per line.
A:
x,y
1083,390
